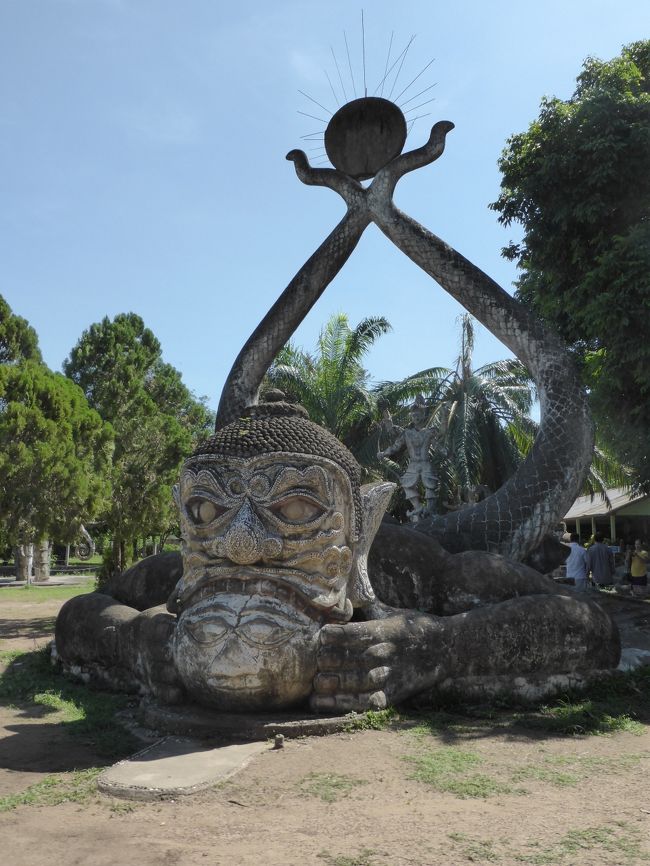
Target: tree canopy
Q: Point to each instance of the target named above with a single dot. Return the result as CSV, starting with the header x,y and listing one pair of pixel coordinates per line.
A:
x,y
54,454
54,449
482,415
578,182
18,340
156,421
332,383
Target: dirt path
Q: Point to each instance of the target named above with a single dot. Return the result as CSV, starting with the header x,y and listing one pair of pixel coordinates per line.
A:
x,y
470,793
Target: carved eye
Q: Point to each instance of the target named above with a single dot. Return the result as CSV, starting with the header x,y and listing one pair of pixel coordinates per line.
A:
x,y
204,511
297,509
208,630
264,632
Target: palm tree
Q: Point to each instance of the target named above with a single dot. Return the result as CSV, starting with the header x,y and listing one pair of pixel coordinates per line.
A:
x,y
482,415
332,383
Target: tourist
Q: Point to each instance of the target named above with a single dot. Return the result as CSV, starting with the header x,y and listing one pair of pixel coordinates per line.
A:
x,y
576,564
638,568
600,562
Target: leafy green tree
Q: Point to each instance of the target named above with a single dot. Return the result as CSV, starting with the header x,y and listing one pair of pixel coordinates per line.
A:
x,y
332,383
578,182
156,420
18,340
54,455
482,415
111,362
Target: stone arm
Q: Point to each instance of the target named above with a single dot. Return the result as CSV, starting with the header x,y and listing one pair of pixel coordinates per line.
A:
x,y
276,328
118,646
371,665
515,519
396,448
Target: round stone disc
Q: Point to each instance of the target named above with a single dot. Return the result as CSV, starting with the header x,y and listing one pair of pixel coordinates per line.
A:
x,y
364,135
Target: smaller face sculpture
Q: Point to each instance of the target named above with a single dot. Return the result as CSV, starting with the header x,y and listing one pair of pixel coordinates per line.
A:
x,y
418,415
268,550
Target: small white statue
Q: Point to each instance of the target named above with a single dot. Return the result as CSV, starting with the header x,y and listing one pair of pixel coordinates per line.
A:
x,y
416,440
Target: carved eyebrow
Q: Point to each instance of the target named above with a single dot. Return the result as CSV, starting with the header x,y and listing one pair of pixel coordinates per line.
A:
x,y
203,482
202,492
298,492
312,482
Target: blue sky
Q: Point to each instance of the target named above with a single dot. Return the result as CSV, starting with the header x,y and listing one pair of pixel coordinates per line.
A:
x,y
142,167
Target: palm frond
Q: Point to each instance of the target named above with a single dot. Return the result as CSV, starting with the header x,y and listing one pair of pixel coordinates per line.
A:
x,y
361,339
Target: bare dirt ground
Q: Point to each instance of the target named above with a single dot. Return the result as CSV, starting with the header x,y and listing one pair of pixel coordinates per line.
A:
x,y
467,793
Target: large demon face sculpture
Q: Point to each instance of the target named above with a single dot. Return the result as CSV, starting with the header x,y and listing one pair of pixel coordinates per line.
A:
x,y
269,546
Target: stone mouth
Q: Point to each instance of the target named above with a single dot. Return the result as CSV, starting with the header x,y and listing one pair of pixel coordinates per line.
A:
x,y
251,582
227,684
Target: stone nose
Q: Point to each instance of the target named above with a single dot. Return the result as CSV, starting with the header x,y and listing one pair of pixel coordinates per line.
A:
x,y
244,541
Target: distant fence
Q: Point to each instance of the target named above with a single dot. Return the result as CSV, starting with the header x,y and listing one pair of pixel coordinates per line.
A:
x,y
10,571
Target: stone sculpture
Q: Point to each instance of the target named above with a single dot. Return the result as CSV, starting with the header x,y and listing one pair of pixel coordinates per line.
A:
x,y
416,440
271,520
275,607
274,604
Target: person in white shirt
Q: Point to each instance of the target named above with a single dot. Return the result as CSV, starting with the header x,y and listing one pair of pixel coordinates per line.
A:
x,y
576,564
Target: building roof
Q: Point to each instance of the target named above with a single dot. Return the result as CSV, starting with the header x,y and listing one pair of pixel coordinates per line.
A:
x,y
596,506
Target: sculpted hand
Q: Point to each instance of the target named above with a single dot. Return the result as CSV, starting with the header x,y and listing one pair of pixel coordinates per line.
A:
x,y
147,645
370,665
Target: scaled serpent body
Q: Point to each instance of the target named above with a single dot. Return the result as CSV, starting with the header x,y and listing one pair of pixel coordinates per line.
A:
x,y
514,520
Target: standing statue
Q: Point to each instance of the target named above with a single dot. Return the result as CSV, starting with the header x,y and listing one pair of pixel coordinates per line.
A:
x,y
272,602
416,440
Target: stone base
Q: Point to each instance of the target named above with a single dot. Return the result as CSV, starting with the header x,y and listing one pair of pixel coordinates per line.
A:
x,y
191,720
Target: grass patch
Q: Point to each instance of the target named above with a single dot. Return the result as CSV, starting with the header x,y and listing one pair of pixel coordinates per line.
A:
x,y
443,721
329,787
475,850
465,774
41,592
76,787
581,716
622,842
615,843
620,703
363,858
564,771
449,770
546,774
373,720
30,679
9,656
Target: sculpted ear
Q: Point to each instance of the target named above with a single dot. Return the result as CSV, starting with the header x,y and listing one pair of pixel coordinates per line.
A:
x,y
374,501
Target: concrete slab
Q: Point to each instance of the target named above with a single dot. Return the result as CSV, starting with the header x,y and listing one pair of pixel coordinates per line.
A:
x,y
175,767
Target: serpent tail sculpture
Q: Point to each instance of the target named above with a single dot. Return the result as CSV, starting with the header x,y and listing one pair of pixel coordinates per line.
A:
x,y
515,519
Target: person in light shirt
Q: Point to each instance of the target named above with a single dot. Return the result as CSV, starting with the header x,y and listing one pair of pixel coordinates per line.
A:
x,y
576,564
